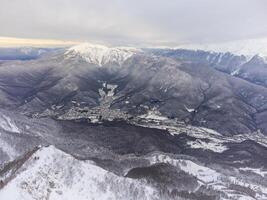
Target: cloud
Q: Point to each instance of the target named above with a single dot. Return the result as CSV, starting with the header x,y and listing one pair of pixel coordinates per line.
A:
x,y
136,22
15,42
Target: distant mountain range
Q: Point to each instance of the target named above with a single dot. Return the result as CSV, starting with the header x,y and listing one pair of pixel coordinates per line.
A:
x,y
221,91
23,53
96,122
248,47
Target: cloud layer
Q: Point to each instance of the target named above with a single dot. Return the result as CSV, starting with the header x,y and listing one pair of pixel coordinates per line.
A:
x,y
135,22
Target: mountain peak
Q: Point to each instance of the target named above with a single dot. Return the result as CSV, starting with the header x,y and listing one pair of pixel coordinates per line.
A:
x,y
100,54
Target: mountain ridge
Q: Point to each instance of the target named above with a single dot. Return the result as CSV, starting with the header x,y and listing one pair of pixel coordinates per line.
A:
x,y
100,54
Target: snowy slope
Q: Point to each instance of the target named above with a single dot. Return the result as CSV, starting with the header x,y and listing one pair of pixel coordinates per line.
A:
x,y
248,47
53,175
217,180
7,124
101,55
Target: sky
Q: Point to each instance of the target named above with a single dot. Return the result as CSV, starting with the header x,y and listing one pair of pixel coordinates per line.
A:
x,y
130,22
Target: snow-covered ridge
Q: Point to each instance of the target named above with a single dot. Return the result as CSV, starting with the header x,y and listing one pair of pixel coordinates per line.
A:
x,y
54,175
250,47
101,55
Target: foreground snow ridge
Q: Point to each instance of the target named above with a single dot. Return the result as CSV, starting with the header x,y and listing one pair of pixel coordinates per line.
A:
x,y
101,55
54,175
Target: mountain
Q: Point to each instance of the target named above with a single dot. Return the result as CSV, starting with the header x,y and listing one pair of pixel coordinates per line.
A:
x,y
252,68
248,47
101,55
74,159
97,122
67,84
23,53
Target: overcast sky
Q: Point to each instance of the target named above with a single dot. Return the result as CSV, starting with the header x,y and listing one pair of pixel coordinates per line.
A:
x,y
135,22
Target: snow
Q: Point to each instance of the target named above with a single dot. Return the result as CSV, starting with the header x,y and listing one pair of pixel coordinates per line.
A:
x,y
205,174
256,136
235,72
102,93
111,89
220,58
215,140
261,190
7,124
101,55
248,47
7,149
153,119
210,131
54,175
259,171
210,177
189,109
154,115
213,146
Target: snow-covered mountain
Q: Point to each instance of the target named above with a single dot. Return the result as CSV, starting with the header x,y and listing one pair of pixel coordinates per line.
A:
x,y
55,175
174,82
101,55
249,47
92,122
251,67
